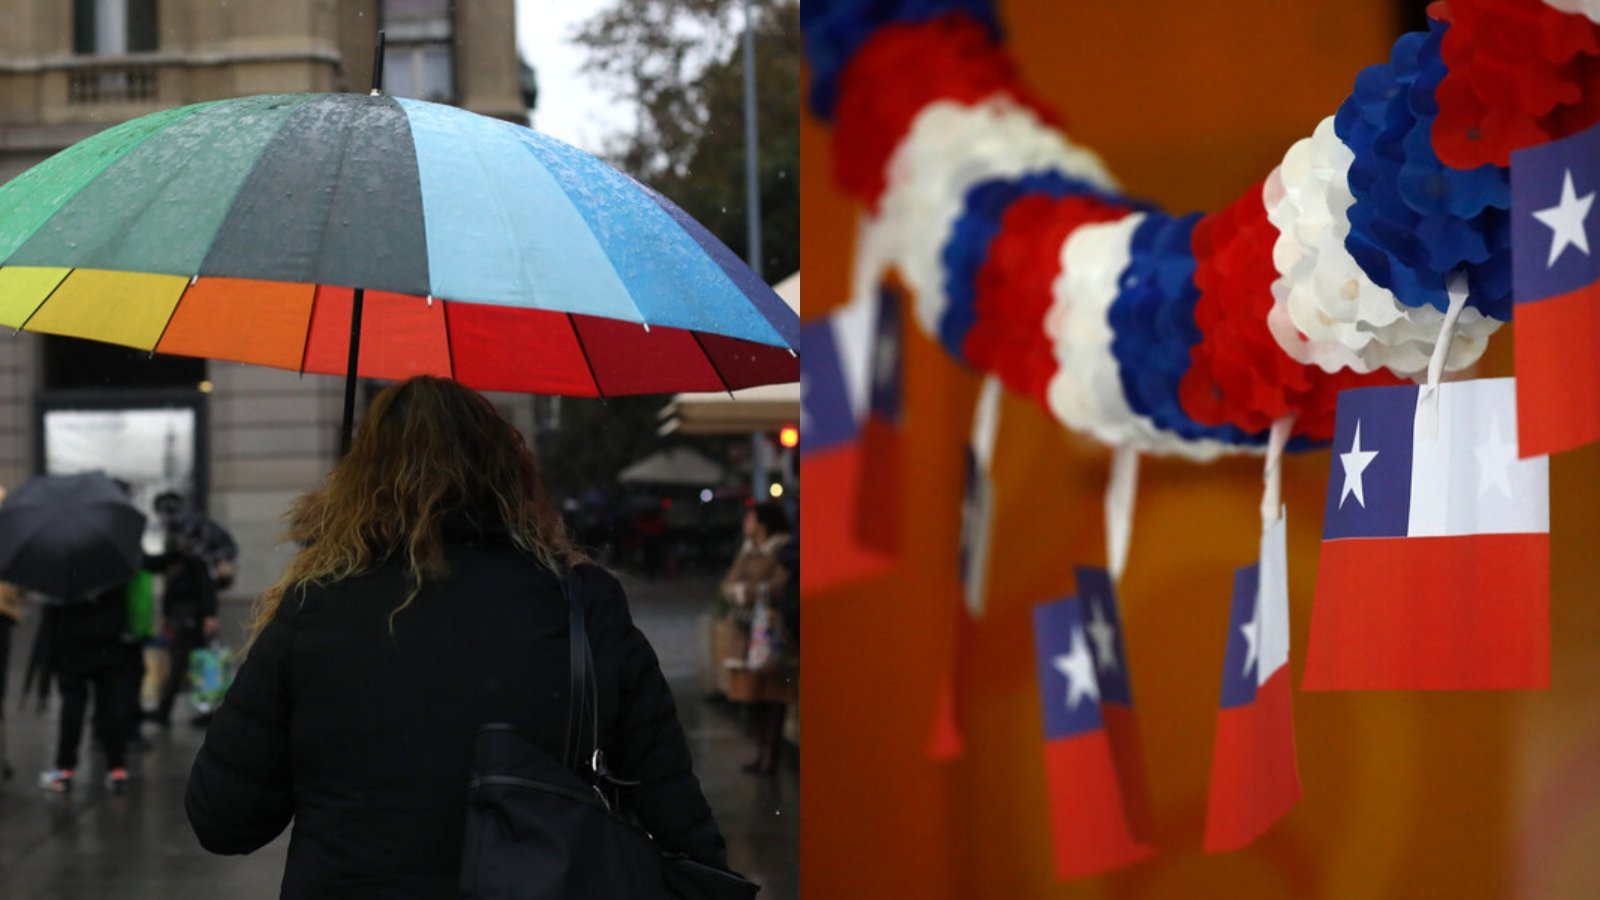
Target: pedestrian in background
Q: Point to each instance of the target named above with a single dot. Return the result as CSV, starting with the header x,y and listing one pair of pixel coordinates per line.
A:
x,y
87,651
10,615
426,601
188,617
205,538
753,588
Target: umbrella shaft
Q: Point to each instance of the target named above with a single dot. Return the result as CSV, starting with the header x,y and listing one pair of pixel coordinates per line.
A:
x,y
350,373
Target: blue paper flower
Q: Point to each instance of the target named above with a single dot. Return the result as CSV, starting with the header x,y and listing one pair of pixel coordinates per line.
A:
x,y
1153,321
836,29
1416,220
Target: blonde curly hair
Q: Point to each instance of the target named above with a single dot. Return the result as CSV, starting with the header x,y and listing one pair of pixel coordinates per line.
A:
x,y
430,451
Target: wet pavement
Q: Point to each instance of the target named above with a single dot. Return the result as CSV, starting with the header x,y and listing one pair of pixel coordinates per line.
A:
x,y
94,844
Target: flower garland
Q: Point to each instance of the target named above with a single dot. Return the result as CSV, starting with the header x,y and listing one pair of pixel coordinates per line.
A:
x,y
1190,335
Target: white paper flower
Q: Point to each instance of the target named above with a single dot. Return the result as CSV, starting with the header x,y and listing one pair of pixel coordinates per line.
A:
x,y
1589,8
950,148
1326,311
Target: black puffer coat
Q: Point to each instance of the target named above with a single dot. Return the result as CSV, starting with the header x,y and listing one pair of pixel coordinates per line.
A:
x,y
365,739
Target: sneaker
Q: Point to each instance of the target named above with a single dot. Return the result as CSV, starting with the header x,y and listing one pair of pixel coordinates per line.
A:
x,y
117,780
58,780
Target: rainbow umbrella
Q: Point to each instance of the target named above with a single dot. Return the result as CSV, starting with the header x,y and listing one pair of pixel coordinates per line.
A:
x,y
287,230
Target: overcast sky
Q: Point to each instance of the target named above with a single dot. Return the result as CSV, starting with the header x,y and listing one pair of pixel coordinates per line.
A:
x,y
571,107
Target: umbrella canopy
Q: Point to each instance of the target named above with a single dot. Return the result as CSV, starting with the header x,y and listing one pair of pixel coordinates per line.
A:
x,y
764,408
487,252
69,536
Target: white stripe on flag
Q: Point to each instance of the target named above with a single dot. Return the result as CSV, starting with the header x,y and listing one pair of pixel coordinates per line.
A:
x,y
1272,599
1465,477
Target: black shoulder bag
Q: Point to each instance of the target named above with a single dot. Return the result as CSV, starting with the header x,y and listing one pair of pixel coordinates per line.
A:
x,y
539,828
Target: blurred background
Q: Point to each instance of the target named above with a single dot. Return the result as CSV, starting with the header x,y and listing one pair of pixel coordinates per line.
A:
x,y
1406,794
656,487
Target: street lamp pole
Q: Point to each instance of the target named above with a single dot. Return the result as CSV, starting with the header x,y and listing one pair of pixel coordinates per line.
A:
x,y
761,452
752,184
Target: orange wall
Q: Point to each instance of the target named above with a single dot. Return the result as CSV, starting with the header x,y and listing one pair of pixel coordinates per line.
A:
x,y
1406,795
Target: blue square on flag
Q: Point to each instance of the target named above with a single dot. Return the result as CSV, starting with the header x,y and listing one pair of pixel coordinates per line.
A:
x,y
1369,490
1555,230
1241,660
825,416
1068,687
1103,624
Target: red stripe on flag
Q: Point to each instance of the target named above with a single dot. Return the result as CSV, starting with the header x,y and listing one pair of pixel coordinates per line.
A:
x,y
947,740
1468,612
878,507
831,557
1254,780
1088,823
1127,754
1558,372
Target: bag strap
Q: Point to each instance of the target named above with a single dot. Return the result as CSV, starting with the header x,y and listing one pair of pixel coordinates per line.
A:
x,y
578,662
583,756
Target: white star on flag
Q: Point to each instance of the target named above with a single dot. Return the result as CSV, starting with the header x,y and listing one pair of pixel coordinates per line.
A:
x,y
1355,462
1495,457
1252,635
1104,637
1565,221
1076,665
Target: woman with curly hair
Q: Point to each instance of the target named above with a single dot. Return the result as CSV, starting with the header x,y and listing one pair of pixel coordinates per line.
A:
x,y
425,600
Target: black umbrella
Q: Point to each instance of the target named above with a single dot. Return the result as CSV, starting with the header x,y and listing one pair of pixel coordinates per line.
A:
x,y
69,536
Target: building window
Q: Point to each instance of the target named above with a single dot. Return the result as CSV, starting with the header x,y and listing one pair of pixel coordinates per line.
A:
x,y
419,61
115,27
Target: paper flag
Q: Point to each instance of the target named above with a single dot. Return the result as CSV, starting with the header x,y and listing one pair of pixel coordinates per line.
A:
x,y
1089,821
1254,781
1435,570
1555,254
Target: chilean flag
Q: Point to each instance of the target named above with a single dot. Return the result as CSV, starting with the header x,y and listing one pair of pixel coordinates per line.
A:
x,y
1089,821
1555,236
830,458
1104,628
972,564
878,506
1254,781
1435,571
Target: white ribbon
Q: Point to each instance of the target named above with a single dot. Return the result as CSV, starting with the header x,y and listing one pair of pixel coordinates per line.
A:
x,y
976,526
1272,474
1120,492
1428,403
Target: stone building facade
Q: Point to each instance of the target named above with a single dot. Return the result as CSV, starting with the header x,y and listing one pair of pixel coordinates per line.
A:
x,y
70,68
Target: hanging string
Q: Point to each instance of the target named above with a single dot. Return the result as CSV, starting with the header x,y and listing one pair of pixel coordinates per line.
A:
x,y
1428,403
976,521
1120,492
1272,473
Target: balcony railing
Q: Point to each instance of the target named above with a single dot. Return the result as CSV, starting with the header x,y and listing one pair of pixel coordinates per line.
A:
x,y
111,84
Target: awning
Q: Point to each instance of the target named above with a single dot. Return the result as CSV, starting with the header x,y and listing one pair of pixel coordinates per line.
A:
x,y
677,466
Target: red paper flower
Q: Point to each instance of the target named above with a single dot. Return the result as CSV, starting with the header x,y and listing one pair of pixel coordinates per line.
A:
x,y
1238,374
901,70
1015,289
1520,74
